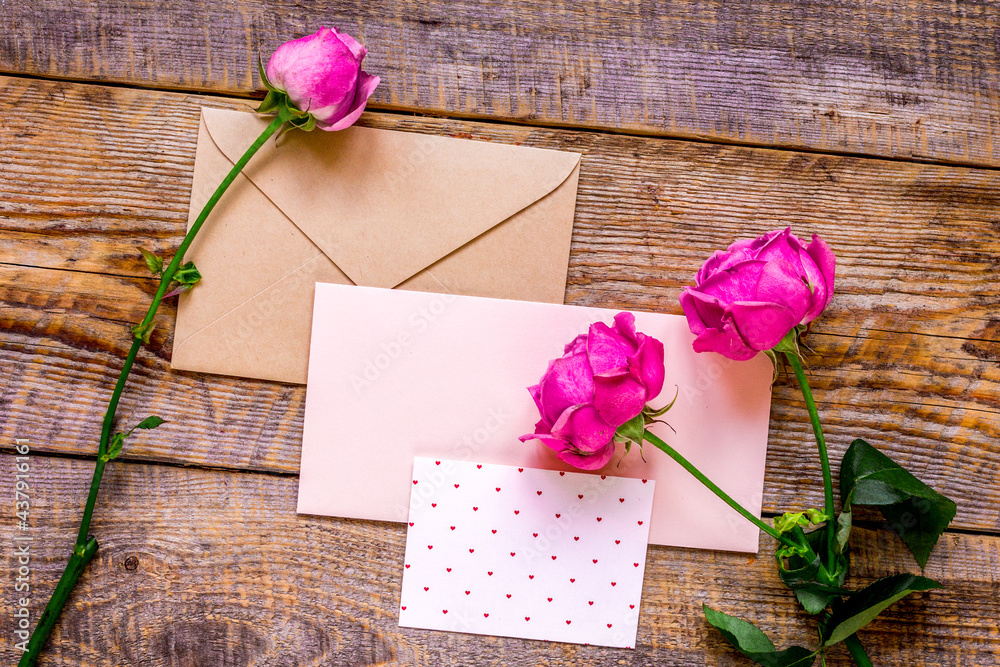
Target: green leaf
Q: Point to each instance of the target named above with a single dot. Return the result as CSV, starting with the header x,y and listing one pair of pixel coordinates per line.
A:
x,y
187,274
918,513
150,422
862,607
789,520
115,446
814,599
153,263
803,571
843,531
754,644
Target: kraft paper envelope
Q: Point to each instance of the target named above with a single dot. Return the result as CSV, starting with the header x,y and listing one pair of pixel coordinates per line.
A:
x,y
396,374
364,206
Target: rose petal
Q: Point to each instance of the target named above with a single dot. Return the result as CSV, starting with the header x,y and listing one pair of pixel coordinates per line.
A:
x,y
583,427
568,382
536,395
366,86
647,364
319,73
356,47
577,345
781,283
625,326
554,443
608,350
618,398
702,311
762,325
738,251
736,283
826,263
726,341
592,461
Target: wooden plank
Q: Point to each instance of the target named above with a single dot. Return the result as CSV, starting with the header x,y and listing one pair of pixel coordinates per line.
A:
x,y
907,78
215,568
909,348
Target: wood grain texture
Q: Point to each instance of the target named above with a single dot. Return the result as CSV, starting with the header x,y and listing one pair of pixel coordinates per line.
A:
x,y
909,349
215,568
902,78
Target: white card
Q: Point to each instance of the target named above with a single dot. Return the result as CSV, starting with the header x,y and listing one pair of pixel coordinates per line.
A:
x,y
525,552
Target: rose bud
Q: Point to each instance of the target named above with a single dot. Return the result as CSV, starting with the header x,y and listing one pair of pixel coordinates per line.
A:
x,y
750,296
603,380
319,80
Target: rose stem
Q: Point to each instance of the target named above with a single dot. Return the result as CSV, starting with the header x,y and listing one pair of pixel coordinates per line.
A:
x,y
85,548
831,527
857,651
687,465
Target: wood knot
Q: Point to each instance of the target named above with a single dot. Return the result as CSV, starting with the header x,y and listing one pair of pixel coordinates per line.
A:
x,y
131,563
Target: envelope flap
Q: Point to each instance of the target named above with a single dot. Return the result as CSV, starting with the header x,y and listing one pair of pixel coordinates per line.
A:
x,y
384,204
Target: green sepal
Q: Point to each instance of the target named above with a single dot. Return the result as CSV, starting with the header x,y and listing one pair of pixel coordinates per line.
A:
x,y
862,607
263,76
789,345
915,511
153,263
143,331
306,123
270,103
749,640
650,414
634,429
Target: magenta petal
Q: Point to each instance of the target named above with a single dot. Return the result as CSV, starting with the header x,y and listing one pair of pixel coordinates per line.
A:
x,y
608,350
584,428
762,325
726,341
736,283
702,311
366,86
568,382
625,326
356,47
536,395
577,345
781,283
593,461
721,260
647,364
556,444
618,398
826,263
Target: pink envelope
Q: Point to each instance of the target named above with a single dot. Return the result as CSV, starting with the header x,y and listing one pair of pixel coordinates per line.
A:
x,y
395,374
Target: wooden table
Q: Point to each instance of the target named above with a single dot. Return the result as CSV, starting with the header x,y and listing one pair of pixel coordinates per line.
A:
x,y
876,125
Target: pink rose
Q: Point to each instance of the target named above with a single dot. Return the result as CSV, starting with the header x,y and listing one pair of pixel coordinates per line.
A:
x,y
321,74
749,297
604,379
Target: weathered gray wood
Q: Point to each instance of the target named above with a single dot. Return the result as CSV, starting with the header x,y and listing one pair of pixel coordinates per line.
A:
x,y
901,78
215,568
909,347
